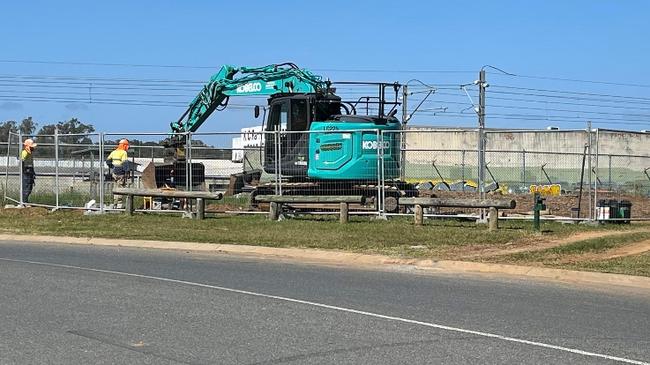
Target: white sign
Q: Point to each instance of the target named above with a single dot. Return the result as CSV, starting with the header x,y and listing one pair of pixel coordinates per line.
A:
x,y
237,152
252,137
249,137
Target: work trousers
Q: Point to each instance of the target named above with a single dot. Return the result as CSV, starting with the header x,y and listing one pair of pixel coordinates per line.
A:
x,y
28,185
120,181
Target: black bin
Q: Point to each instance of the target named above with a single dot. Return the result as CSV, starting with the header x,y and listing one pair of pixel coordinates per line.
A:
x,y
624,211
613,209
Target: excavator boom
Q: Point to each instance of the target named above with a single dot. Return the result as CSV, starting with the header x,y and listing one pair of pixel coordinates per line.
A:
x,y
267,80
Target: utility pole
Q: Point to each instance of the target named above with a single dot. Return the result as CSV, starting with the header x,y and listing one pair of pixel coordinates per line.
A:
x,y
481,140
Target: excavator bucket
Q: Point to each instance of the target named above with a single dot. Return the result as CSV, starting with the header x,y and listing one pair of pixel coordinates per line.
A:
x,y
173,175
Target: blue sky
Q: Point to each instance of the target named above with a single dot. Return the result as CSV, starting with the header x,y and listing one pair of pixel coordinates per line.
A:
x,y
586,40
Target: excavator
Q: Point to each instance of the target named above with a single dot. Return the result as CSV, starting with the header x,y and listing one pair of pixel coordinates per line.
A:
x,y
316,142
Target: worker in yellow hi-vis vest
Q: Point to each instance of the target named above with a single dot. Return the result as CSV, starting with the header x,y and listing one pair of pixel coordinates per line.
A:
x,y
27,168
117,162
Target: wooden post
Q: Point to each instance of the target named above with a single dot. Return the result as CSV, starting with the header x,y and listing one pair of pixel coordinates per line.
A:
x,y
493,219
274,211
344,213
419,215
200,208
129,205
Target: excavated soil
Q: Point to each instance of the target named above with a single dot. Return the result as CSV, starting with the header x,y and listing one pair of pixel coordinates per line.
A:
x,y
557,205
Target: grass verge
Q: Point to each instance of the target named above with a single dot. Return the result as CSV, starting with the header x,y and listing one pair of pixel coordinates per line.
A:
x,y
437,239
584,255
629,265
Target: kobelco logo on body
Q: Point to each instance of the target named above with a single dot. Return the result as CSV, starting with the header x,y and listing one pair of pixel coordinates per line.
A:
x,y
372,145
250,87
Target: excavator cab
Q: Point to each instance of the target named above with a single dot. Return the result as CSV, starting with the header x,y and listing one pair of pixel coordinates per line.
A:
x,y
289,119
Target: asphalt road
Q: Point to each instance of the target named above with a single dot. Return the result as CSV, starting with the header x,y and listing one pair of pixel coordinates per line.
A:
x,y
62,304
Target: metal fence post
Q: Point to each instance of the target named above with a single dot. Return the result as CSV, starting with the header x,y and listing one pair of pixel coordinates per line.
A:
x,y
56,165
523,168
589,170
481,162
278,160
596,174
405,118
9,135
101,172
188,163
609,169
462,168
380,172
20,168
481,170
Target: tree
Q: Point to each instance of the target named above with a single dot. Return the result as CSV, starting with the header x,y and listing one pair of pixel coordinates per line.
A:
x,y
27,127
6,128
73,126
68,143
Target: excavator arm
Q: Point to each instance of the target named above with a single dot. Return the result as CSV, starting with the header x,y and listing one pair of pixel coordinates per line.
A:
x,y
267,80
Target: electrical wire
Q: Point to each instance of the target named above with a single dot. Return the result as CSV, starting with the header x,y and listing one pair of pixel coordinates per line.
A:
x,y
551,78
570,92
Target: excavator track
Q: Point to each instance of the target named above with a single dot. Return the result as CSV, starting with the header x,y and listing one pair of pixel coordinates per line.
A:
x,y
392,192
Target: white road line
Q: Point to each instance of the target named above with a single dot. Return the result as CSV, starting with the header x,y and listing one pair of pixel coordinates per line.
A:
x,y
347,310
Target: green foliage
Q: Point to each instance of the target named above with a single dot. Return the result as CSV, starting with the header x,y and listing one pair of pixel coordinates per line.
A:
x,y
6,128
27,127
72,126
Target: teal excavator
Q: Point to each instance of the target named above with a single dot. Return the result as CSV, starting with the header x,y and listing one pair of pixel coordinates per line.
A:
x,y
315,142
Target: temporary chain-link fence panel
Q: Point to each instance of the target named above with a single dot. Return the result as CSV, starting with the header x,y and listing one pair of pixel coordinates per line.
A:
x,y
431,164
576,170
40,188
328,162
229,165
76,164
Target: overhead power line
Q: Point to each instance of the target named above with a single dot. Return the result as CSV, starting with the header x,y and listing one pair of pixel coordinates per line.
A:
x,y
551,78
145,65
215,67
570,92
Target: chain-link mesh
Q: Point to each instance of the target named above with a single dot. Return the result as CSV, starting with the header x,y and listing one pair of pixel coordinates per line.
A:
x,y
624,178
327,162
43,183
12,173
74,164
575,169
435,167
231,166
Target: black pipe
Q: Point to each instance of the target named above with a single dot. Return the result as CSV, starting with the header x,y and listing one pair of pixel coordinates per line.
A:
x,y
582,178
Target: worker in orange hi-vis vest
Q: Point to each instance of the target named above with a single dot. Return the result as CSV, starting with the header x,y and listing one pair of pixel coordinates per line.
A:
x,y
117,162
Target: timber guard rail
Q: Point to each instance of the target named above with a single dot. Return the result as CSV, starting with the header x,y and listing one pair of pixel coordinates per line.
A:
x,y
492,204
200,196
277,201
